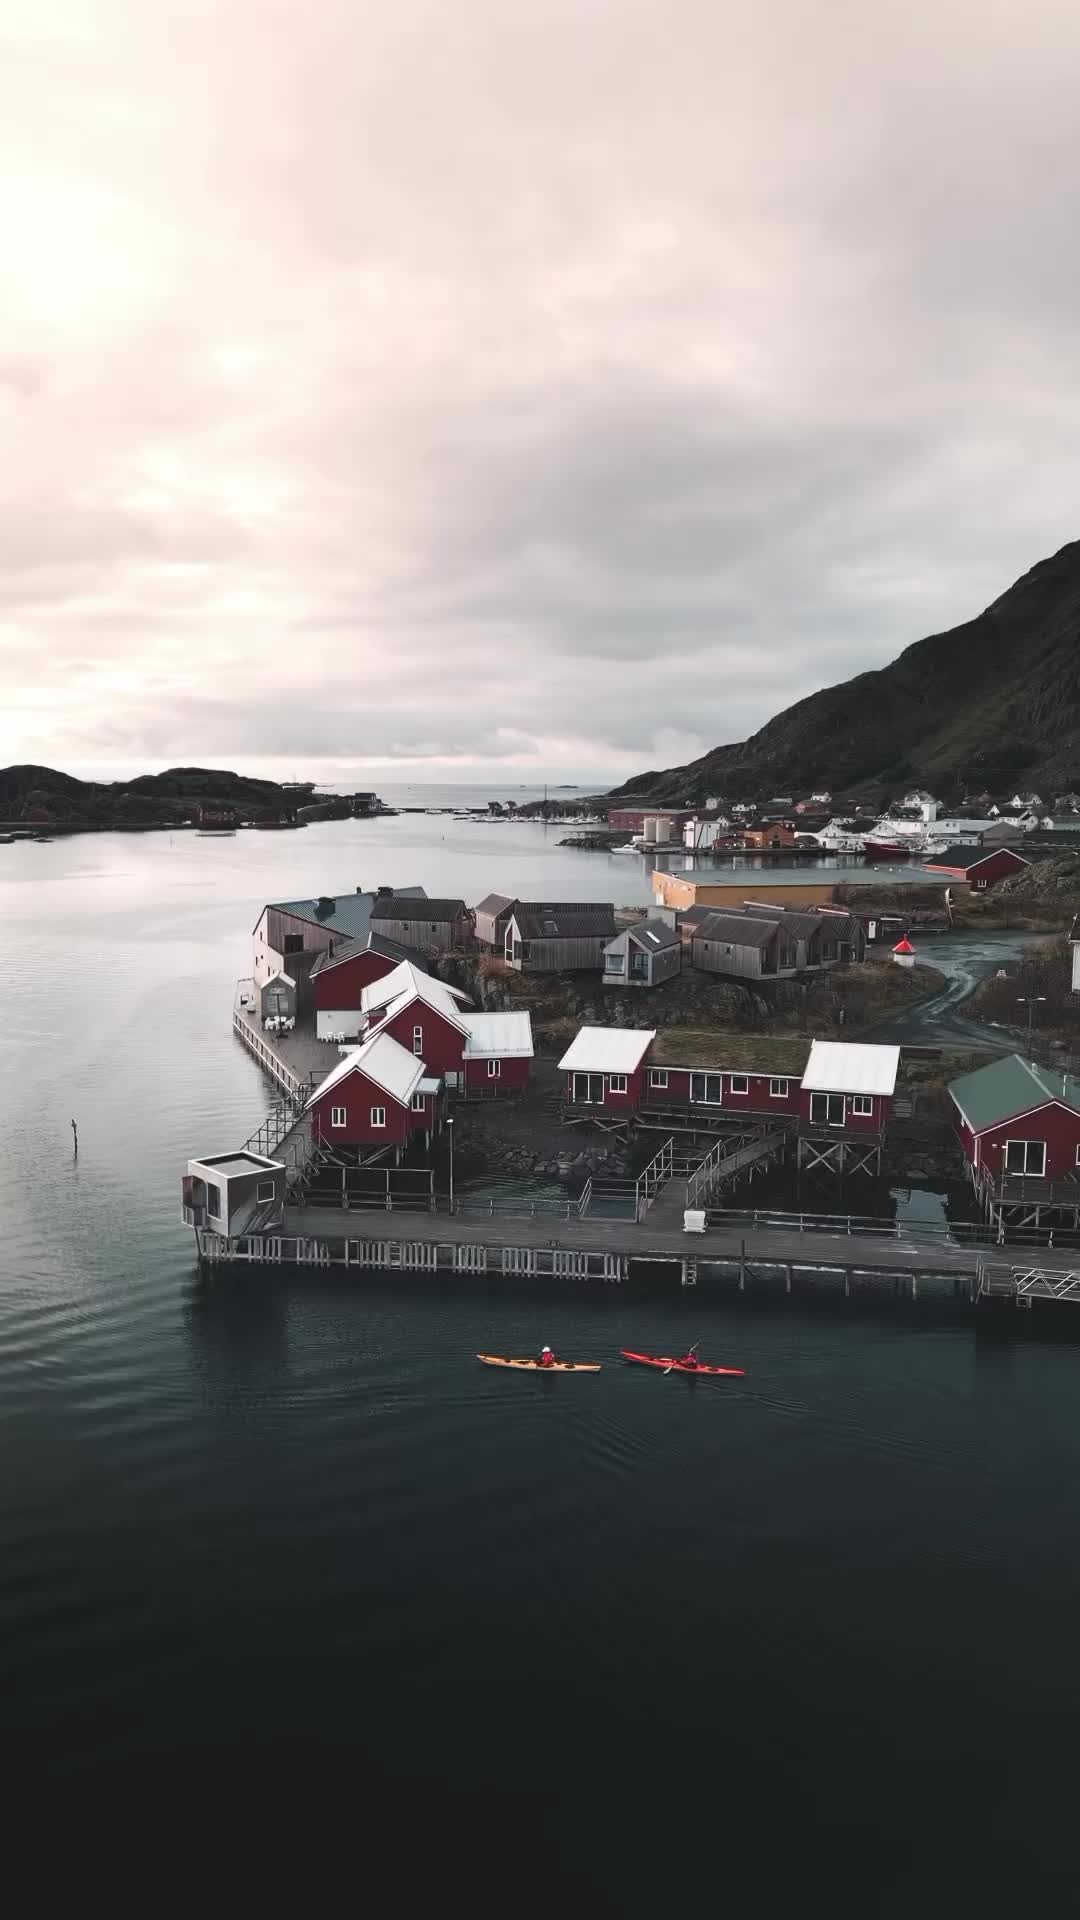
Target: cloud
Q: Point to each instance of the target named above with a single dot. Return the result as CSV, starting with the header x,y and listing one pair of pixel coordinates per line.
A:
x,y
545,386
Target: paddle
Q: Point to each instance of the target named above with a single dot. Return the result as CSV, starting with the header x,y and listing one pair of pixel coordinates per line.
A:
x,y
689,1351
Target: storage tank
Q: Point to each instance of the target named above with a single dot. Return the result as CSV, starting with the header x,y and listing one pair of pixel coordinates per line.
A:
x,y
649,829
663,831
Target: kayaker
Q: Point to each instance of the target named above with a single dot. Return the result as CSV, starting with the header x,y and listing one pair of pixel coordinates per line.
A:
x,y
547,1358
690,1359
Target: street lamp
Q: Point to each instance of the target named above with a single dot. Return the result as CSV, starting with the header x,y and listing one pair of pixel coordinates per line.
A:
x,y
1031,1001
450,1131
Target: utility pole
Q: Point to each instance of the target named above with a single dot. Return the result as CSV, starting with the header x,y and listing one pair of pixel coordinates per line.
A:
x,y
450,1131
1031,1001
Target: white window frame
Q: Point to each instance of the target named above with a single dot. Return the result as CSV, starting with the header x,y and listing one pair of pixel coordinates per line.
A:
x,y
1078,1153
862,1105
1025,1172
378,1116
419,1102
616,1083
339,1116
779,1089
213,1200
418,1041
494,1069
614,963
264,1191
738,1083
658,1077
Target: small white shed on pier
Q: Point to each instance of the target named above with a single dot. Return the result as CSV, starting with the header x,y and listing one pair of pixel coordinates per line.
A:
x,y
234,1193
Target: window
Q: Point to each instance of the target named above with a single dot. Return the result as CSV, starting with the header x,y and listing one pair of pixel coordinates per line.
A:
x,y
738,1083
1026,1156
338,1117
979,883
213,1201
778,1089
614,962
862,1104
378,1116
419,1103
616,1083
1078,1156
294,943
658,1078
827,1109
418,1040
494,1069
264,1190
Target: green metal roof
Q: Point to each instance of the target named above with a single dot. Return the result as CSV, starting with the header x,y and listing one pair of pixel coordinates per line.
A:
x,y
1009,1087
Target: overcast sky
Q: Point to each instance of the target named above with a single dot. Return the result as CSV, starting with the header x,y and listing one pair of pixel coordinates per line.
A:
x,y
516,386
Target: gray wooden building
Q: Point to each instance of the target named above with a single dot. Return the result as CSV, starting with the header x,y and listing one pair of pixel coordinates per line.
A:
x,y
491,916
823,936
643,956
545,937
430,926
289,935
277,997
743,946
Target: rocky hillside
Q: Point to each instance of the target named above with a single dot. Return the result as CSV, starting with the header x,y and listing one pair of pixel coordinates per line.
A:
x,y
44,796
994,703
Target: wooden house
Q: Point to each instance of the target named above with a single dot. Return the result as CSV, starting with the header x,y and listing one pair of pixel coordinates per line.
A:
x,y
431,926
1019,1123
729,1074
982,868
823,936
277,998
491,916
338,980
849,1085
742,945
472,1052
548,938
605,1067
643,956
378,1095
289,935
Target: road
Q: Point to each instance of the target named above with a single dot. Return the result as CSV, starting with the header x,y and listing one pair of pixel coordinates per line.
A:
x,y
965,959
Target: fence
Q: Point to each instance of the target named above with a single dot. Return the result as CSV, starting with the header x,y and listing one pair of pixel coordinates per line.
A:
x,y
957,1233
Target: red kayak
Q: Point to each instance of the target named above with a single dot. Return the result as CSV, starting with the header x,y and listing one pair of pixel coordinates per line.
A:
x,y
668,1365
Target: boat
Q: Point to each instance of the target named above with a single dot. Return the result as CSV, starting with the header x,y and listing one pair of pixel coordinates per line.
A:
x,y
889,849
627,847
669,1365
533,1366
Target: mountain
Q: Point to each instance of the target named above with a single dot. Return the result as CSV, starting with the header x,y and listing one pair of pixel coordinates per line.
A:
x,y
43,796
992,703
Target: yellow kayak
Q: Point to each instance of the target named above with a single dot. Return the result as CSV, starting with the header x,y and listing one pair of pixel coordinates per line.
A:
x,y
533,1366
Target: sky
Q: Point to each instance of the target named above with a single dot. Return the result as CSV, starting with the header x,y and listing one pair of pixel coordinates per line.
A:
x,y
552,388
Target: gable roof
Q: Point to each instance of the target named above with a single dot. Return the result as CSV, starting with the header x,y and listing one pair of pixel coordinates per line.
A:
x,y
607,1050
737,930
495,903
653,935
351,913
968,858
550,920
391,906
498,1036
408,983
382,1061
372,943
851,1066
1008,1087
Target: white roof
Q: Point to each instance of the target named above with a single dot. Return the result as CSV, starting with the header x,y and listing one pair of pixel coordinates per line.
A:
x,y
428,1086
850,1066
608,1050
383,1062
287,977
503,1034
408,980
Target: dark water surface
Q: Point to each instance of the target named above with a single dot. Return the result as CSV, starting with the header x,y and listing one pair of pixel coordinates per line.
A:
x,y
278,1549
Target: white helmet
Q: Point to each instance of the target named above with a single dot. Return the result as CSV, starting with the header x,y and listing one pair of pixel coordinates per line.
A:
x,y
545,1349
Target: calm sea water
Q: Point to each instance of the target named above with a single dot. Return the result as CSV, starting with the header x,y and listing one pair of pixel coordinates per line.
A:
x,y
276,1548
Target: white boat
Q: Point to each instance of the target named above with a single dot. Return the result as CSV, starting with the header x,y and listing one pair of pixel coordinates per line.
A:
x,y
627,847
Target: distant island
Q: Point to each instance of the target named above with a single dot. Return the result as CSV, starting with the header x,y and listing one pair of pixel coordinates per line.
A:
x,y
42,800
994,703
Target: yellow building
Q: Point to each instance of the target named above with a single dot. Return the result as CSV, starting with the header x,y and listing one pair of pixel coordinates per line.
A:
x,y
686,890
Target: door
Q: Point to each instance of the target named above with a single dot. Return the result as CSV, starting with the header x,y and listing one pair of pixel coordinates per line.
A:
x,y
589,1089
706,1089
827,1109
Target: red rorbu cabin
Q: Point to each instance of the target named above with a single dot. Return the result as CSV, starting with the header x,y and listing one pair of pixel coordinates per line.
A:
x,y
378,1095
604,1067
338,980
